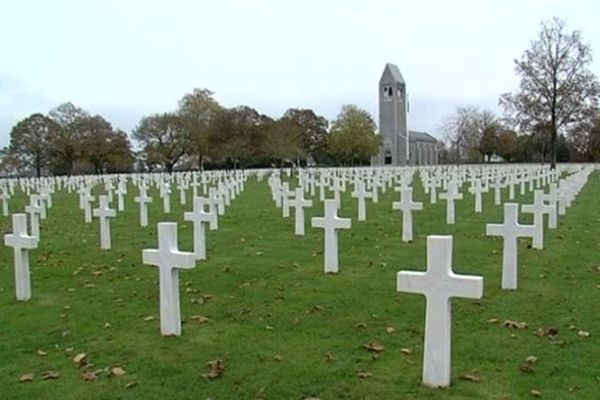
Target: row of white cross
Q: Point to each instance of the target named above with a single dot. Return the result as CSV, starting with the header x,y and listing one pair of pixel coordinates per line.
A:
x,y
439,283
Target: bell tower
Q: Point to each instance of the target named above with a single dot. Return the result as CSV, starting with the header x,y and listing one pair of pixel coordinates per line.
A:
x,y
393,110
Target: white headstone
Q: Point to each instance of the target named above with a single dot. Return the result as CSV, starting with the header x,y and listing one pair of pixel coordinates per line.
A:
x,y
538,209
407,205
331,223
510,231
199,217
21,242
143,200
439,284
169,259
361,194
104,212
450,196
299,204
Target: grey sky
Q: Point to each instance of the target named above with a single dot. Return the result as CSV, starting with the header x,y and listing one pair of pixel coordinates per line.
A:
x,y
125,59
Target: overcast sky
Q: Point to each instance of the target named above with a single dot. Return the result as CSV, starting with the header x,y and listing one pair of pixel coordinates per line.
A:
x,y
124,59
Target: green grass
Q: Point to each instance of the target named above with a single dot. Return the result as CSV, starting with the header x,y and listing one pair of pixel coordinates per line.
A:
x,y
270,297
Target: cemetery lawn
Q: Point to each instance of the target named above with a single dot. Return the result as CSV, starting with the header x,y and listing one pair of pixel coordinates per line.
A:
x,y
284,329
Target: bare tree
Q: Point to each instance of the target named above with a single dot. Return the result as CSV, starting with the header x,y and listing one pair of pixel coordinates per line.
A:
x,y
557,88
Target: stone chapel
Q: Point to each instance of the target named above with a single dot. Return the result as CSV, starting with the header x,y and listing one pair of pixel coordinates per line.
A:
x,y
399,145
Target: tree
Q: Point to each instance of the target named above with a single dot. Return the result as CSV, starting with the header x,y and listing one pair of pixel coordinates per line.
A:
x,y
283,141
312,130
163,137
29,140
198,111
464,131
557,87
104,148
64,143
352,138
507,145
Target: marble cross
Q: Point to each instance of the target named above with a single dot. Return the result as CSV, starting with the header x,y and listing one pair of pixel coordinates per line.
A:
x,y
199,217
104,212
88,199
361,194
450,196
169,260
407,205
285,199
510,231
34,209
538,209
21,242
143,200
299,203
331,223
439,284
477,189
4,197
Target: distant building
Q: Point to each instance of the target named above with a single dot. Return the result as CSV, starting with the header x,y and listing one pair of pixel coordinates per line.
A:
x,y
400,146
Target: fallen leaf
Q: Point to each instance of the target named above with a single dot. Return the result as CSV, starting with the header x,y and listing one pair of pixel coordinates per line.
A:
x,y
526,368
329,357
514,324
535,393
471,377
493,321
361,325
42,353
278,357
406,350
531,359
117,371
583,334
149,318
26,377
107,325
89,376
130,384
199,318
217,367
364,374
79,359
390,329
47,375
374,346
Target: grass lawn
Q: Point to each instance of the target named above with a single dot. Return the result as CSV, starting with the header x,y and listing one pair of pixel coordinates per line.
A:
x,y
283,328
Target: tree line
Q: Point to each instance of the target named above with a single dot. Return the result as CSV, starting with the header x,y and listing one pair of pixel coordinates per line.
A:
x,y
554,116
200,134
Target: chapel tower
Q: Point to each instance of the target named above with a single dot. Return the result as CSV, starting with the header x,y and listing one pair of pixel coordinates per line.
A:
x,y
393,108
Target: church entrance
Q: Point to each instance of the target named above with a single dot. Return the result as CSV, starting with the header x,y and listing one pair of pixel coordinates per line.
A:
x,y
387,157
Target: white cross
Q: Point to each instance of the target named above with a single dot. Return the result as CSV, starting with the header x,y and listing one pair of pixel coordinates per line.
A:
x,y
34,209
331,223
87,206
407,205
450,196
182,187
510,231
143,199
212,208
285,197
21,242
299,204
104,212
361,194
4,197
497,191
439,284
538,209
477,189
168,258
552,199
165,193
198,217
121,192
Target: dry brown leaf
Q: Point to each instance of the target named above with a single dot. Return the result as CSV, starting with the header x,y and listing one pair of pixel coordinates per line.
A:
x,y
514,325
199,318
583,334
278,357
329,357
406,350
535,393
130,384
149,318
526,368
361,325
47,375
493,321
217,367
364,374
117,371
42,353
531,359
471,377
390,329
89,376
26,377
79,359
374,346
